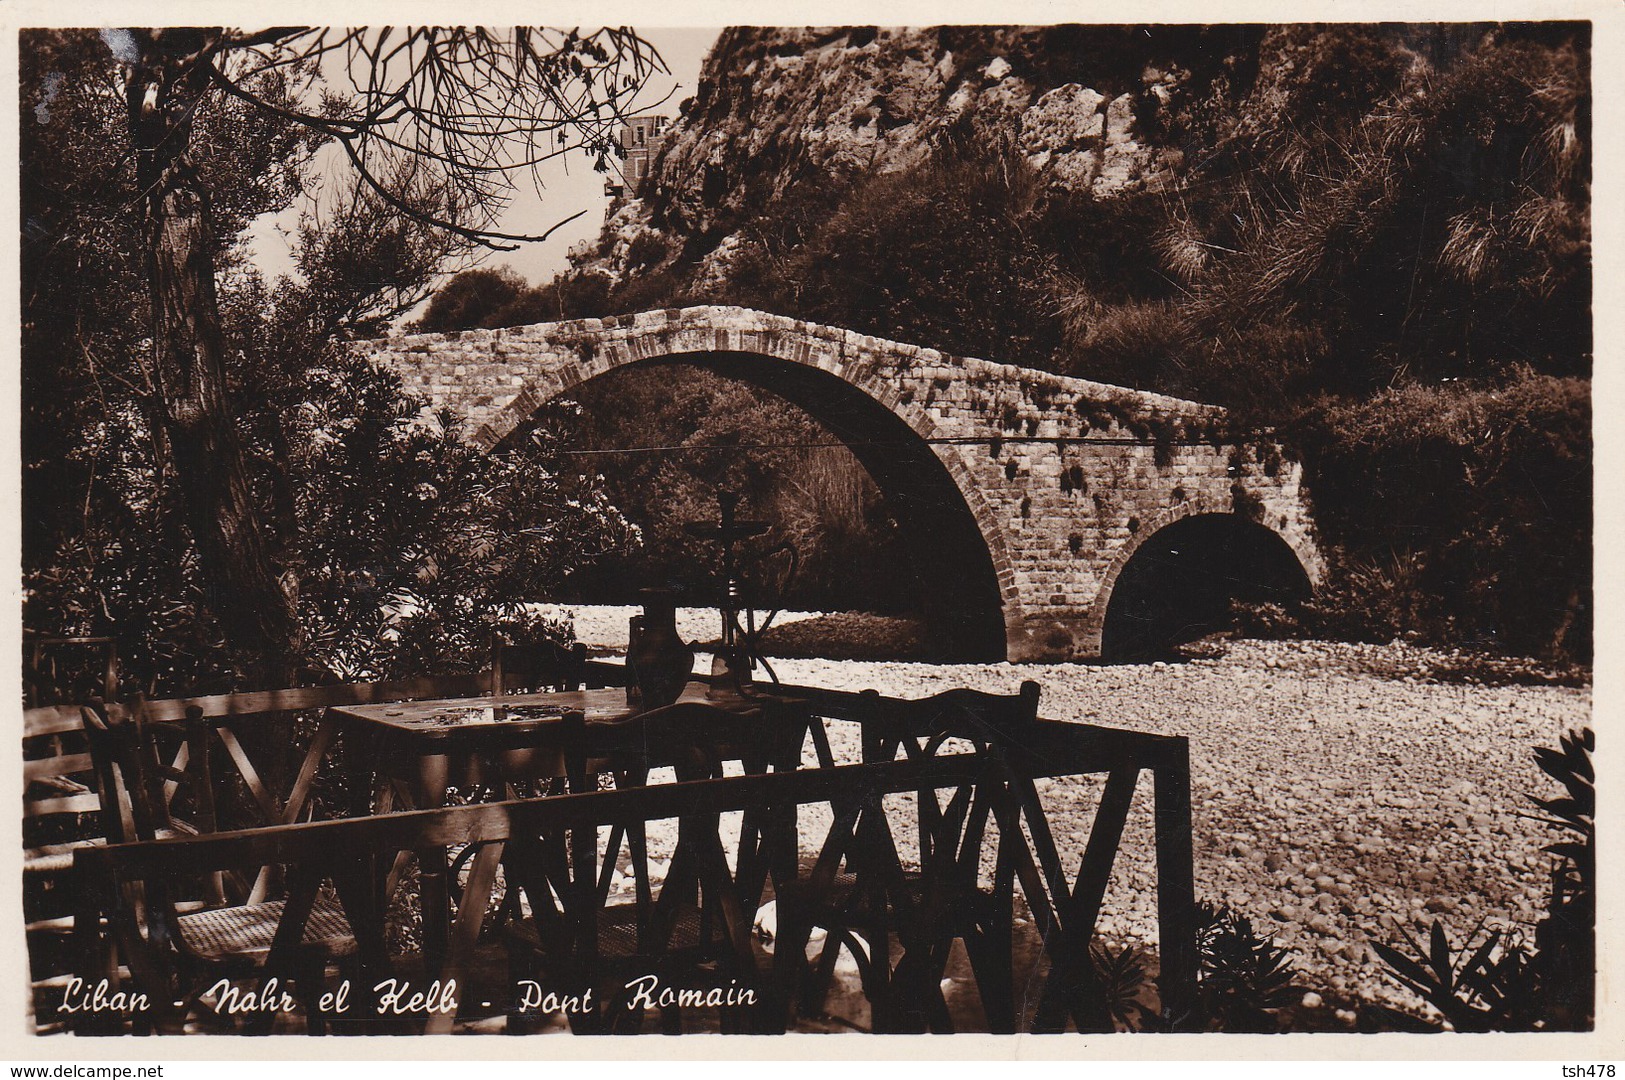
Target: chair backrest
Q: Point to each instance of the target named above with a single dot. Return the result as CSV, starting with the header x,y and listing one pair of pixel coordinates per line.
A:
x,y
542,666
925,724
246,704
61,807
62,669
61,801
131,777
223,717
142,768
601,673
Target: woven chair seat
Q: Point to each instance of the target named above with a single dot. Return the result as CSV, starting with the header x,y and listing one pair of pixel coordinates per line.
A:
x,y
58,858
231,933
841,888
835,912
618,932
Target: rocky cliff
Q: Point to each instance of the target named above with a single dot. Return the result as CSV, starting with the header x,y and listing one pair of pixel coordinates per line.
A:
x,y
799,115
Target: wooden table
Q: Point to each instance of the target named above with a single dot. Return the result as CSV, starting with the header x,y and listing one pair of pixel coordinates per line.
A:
x,y
501,743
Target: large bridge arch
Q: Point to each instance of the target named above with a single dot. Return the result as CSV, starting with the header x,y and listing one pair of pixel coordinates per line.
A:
x,y
935,501
1041,487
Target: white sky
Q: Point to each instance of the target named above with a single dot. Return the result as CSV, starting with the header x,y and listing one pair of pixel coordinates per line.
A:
x,y
571,185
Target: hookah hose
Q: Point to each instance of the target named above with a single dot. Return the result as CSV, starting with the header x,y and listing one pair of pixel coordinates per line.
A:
x,y
752,631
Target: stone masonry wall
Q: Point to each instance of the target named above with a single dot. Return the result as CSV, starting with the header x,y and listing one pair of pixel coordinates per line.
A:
x,y
1065,477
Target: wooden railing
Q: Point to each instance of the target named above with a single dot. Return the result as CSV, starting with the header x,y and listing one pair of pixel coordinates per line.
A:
x,y
1065,905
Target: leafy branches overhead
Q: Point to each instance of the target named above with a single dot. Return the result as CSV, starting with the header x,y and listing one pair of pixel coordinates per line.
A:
x,y
436,124
458,111
367,263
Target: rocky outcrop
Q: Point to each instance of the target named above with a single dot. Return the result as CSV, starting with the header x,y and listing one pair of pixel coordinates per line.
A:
x,y
801,114
786,121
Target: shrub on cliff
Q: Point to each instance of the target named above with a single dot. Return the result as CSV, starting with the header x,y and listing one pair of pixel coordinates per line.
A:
x,y
942,254
469,300
1461,512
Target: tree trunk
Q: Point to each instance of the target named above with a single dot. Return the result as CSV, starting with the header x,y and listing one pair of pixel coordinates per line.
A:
x,y
254,604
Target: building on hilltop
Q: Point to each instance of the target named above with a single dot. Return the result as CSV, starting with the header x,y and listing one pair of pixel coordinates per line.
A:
x,y
641,137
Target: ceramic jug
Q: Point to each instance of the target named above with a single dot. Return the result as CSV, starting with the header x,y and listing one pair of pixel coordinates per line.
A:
x,y
658,662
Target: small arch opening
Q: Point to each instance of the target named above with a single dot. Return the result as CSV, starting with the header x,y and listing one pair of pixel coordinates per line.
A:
x,y
1182,581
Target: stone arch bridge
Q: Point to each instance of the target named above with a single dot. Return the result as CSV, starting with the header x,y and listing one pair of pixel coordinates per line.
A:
x,y
1055,518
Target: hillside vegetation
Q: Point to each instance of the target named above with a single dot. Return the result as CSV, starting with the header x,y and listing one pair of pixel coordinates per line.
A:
x,y
1373,238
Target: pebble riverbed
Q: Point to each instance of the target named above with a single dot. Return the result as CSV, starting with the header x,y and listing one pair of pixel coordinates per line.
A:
x,y
1339,794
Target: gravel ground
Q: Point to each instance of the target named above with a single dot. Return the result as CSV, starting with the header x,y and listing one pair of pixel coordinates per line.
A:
x,y
605,628
1339,793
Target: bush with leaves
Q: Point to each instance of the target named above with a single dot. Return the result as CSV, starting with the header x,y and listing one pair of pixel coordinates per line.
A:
x,y
418,544
1396,478
1243,979
1121,976
470,299
937,254
1495,981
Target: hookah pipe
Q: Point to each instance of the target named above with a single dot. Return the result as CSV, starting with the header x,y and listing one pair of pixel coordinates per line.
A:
x,y
740,641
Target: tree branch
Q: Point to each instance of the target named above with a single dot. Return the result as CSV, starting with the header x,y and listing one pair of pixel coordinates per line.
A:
x,y
484,237
473,107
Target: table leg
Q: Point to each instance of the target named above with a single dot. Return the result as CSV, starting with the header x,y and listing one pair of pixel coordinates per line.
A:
x,y
785,863
466,932
434,896
359,755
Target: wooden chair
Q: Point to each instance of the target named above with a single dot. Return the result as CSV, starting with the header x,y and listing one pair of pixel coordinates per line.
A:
x,y
182,935
862,896
61,813
700,919
538,667
68,669
63,810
